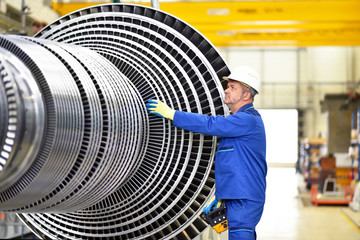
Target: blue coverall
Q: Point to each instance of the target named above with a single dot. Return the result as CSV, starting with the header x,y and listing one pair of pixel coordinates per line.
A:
x,y
240,164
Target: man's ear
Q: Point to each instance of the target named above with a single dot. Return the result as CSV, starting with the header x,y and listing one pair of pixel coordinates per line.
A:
x,y
247,95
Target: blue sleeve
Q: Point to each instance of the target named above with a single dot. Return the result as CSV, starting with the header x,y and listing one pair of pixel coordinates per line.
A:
x,y
235,125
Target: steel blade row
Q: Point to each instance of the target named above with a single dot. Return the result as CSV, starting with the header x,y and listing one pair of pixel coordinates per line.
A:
x,y
87,121
166,174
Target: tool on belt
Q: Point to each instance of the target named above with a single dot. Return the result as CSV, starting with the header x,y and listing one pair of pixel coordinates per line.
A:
x,y
217,218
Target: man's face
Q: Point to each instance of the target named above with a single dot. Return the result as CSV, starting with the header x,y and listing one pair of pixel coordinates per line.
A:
x,y
233,93
36,29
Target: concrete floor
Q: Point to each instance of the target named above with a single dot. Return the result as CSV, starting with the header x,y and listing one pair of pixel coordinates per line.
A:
x,y
288,216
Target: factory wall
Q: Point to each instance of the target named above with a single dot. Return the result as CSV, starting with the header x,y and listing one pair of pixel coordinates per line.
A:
x,y
299,78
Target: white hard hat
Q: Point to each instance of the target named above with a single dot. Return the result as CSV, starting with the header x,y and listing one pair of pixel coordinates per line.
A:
x,y
245,75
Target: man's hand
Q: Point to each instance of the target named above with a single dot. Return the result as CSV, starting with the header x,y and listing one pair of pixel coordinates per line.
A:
x,y
160,109
212,205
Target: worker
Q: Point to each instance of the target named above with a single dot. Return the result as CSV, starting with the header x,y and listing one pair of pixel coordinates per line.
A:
x,y
43,24
36,26
240,164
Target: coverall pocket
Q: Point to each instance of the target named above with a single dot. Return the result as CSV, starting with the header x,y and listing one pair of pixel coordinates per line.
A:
x,y
226,149
223,157
241,229
240,226
243,233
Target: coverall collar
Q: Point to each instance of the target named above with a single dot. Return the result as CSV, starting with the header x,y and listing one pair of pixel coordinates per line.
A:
x,y
246,107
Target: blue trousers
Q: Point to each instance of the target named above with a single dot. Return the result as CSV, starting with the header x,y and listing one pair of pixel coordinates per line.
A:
x,y
243,216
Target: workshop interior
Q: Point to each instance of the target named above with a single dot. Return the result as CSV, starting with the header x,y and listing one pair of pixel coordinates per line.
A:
x,y
81,157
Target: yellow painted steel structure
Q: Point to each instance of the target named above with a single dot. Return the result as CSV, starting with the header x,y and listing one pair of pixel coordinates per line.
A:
x,y
263,23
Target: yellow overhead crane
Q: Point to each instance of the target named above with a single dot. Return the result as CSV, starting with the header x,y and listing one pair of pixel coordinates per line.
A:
x,y
262,23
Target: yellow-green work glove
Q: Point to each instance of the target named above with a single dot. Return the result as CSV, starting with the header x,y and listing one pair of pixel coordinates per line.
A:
x,y
160,109
212,205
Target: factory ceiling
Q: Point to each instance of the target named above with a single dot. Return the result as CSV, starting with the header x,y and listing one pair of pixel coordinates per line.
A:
x,y
260,23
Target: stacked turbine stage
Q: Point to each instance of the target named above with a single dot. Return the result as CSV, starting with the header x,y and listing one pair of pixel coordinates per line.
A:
x,y
80,157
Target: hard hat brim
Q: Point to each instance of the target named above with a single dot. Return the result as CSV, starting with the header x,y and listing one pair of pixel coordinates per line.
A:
x,y
245,75
227,79
246,85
